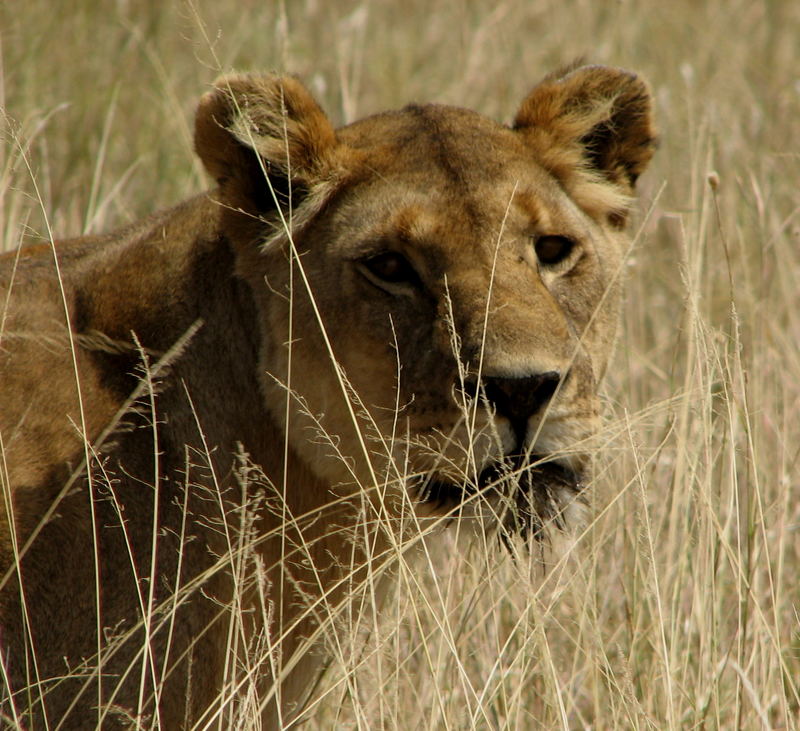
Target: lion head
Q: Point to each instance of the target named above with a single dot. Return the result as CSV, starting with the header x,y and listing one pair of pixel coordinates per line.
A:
x,y
438,292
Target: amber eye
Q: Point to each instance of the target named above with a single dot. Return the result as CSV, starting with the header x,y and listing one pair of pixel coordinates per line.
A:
x,y
553,249
390,267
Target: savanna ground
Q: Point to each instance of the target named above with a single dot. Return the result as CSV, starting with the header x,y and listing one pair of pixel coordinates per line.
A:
x,y
679,606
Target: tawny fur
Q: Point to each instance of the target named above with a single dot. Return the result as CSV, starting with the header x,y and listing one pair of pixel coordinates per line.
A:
x,y
215,423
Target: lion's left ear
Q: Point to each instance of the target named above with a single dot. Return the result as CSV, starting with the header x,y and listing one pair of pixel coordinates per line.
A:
x,y
595,116
265,140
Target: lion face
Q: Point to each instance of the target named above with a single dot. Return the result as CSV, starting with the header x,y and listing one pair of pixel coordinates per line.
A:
x,y
439,292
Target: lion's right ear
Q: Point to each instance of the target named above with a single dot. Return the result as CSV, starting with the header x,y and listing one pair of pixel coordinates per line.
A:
x,y
265,140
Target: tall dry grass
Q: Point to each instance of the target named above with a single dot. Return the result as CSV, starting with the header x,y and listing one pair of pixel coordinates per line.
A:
x,y
679,606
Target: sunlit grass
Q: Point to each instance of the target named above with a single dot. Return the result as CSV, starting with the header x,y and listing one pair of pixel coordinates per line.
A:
x,y
678,606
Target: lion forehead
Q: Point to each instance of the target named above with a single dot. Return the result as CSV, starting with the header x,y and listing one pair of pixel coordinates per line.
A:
x,y
448,146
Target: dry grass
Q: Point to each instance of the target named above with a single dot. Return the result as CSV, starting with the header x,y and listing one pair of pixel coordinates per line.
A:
x,y
680,605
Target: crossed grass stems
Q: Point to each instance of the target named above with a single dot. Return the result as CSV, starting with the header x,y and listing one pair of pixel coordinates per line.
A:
x,y
387,505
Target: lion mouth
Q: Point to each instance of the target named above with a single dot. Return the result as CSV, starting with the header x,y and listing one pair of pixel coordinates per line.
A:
x,y
527,494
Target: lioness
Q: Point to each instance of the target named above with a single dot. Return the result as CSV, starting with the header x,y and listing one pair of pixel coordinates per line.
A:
x,y
218,423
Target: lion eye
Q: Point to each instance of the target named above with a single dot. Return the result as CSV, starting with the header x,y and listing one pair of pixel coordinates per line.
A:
x,y
553,249
391,267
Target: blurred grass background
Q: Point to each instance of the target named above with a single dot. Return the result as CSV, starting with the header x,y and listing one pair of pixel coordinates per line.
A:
x,y
680,607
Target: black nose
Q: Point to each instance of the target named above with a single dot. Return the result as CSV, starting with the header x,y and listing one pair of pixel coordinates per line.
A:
x,y
517,399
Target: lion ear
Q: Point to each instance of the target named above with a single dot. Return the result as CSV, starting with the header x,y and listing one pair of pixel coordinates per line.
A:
x,y
265,140
595,116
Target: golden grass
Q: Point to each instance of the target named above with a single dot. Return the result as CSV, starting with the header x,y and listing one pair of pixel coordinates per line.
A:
x,y
680,605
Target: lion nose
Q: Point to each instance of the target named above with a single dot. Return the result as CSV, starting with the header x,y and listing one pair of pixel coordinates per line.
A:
x,y
517,399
